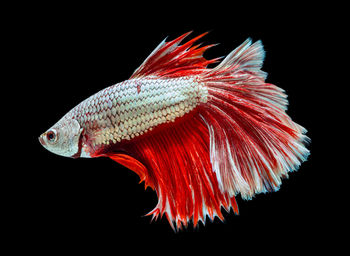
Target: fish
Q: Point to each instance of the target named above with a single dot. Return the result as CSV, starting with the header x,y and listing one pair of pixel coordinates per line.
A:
x,y
199,136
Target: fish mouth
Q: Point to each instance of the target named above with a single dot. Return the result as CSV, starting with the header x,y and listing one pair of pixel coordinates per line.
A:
x,y
41,140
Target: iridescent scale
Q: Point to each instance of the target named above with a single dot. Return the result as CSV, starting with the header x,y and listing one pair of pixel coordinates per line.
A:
x,y
133,107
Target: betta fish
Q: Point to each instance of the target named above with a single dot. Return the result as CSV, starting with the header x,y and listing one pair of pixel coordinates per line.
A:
x,y
198,136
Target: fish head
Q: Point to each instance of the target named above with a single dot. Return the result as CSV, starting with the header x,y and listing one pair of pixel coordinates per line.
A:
x,y
63,138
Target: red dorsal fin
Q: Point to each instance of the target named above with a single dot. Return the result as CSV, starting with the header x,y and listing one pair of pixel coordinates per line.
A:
x,y
170,59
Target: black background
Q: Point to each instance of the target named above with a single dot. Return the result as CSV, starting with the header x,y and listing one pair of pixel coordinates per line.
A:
x,y
70,52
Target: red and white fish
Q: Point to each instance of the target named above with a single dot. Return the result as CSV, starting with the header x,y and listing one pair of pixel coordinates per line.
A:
x,y
198,136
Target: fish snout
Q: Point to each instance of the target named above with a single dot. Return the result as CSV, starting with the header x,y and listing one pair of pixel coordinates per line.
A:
x,y
41,140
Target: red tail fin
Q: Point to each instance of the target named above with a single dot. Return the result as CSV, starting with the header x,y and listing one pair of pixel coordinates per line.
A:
x,y
253,142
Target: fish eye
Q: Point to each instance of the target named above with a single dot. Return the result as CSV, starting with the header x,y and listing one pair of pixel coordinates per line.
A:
x,y
51,136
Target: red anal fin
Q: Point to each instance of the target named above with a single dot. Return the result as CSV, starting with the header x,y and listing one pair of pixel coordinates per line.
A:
x,y
177,162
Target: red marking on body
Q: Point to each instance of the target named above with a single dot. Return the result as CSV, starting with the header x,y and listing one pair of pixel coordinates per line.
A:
x,y
138,88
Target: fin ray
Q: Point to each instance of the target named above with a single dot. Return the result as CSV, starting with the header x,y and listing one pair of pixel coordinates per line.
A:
x,y
169,59
246,57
